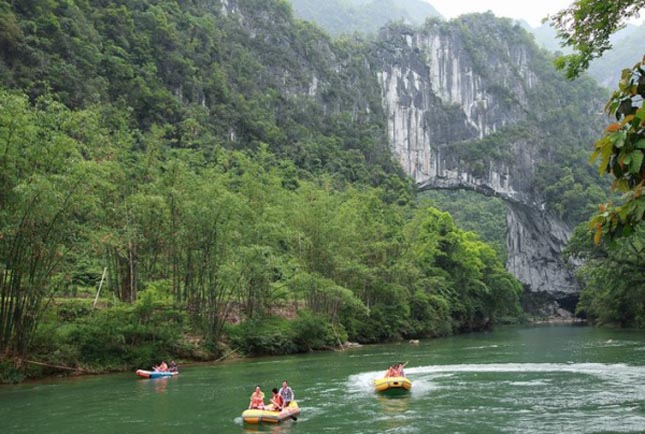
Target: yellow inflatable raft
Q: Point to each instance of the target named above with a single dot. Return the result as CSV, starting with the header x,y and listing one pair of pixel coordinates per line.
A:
x,y
392,384
268,415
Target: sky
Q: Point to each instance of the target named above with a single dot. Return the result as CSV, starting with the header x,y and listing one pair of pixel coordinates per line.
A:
x,y
531,11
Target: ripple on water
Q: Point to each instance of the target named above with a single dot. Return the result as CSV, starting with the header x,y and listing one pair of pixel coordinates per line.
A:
x,y
553,396
482,347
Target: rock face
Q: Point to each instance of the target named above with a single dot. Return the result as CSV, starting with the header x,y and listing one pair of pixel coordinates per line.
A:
x,y
535,241
441,97
465,105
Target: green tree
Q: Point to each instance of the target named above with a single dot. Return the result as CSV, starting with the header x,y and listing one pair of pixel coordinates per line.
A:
x,y
622,153
605,299
457,267
586,26
44,183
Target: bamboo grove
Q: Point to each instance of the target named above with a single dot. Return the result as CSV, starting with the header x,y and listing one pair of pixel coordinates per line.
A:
x,y
231,234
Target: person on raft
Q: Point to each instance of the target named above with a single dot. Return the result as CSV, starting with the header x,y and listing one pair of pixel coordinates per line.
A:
x,y
257,399
276,400
399,369
287,394
173,367
391,371
161,367
396,370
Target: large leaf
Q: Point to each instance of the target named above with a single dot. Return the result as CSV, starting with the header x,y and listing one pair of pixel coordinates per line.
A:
x,y
637,161
618,139
607,152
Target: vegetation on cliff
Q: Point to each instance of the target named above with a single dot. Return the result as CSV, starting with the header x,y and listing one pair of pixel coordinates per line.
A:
x,y
181,151
227,166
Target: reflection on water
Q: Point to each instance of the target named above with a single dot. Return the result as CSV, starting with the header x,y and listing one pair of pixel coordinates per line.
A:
x,y
280,428
158,385
395,404
393,417
161,385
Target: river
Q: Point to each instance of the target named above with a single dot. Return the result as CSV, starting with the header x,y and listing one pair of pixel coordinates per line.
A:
x,y
544,379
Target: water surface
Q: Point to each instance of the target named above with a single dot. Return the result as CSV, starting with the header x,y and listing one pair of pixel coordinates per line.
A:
x,y
549,379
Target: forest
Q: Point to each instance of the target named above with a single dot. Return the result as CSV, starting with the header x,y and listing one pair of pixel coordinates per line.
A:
x,y
164,154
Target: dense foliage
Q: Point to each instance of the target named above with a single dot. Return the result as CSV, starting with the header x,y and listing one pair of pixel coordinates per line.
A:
x,y
621,151
614,290
222,235
613,263
476,213
206,80
587,26
235,184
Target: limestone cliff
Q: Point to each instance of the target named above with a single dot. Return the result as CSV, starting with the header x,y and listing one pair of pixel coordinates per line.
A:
x,y
472,103
461,114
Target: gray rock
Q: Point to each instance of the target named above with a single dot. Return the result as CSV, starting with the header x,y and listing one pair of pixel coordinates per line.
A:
x,y
437,99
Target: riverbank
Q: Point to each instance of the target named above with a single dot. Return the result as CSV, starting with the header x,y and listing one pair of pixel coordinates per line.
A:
x,y
76,338
561,321
16,370
557,315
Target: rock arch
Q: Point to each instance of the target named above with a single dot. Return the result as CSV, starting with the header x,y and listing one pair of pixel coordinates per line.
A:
x,y
442,112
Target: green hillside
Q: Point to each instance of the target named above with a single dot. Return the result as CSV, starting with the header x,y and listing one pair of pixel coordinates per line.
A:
x,y
221,171
176,150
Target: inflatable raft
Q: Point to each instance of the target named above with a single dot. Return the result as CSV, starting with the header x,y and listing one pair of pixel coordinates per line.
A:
x,y
268,415
392,384
155,374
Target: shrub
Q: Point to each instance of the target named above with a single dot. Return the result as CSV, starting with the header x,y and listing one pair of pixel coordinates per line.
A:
x,y
9,372
270,336
68,310
121,337
311,332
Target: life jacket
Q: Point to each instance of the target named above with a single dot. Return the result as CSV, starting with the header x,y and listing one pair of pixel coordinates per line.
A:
x,y
257,400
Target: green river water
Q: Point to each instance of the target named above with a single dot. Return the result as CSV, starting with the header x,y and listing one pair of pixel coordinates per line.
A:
x,y
546,379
